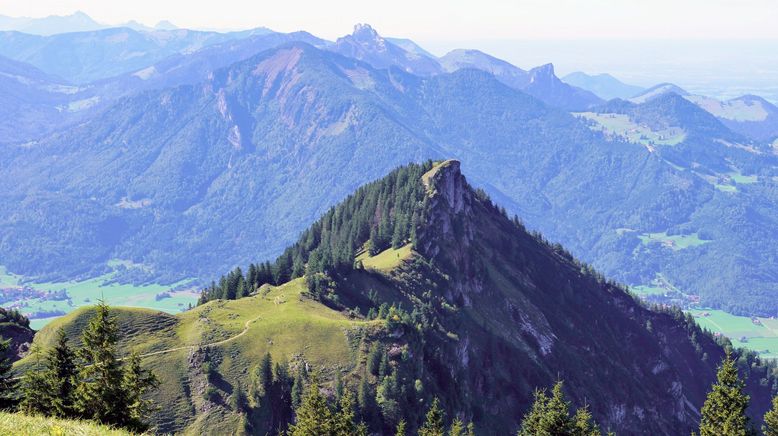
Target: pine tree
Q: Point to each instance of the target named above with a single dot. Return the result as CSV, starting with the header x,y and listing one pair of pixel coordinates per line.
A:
x,y
457,428
583,424
344,420
401,430
367,402
61,371
99,394
7,383
551,416
297,388
135,384
47,388
770,427
313,416
265,374
724,411
35,388
433,426
281,392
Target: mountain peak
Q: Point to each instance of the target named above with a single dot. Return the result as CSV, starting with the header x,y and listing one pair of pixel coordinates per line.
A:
x,y
365,32
546,70
445,179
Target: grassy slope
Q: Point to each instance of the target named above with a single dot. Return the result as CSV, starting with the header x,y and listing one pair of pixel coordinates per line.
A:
x,y
18,424
237,334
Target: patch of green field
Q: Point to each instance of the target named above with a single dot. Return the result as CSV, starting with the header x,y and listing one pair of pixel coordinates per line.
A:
x,y
725,188
761,336
621,125
87,292
674,242
648,290
740,179
387,259
19,424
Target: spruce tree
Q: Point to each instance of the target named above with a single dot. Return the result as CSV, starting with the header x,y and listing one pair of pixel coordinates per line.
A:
x,y
297,388
457,428
99,394
401,430
344,420
770,427
313,416
551,416
7,383
724,411
61,371
434,425
35,388
265,374
136,382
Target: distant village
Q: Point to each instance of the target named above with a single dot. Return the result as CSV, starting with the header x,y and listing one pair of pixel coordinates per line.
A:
x,y
18,297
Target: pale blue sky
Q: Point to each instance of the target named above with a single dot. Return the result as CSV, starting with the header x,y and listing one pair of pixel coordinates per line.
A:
x,y
704,45
444,19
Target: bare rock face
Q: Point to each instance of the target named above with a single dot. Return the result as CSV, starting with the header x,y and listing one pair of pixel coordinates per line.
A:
x,y
450,227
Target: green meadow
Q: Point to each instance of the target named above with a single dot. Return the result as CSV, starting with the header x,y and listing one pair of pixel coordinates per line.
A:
x,y
87,292
621,125
760,336
674,242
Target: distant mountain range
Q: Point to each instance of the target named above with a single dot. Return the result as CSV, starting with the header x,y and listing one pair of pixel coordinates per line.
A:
x,y
603,85
167,158
749,115
76,22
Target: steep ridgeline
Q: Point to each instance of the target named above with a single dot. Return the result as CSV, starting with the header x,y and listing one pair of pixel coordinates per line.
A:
x,y
482,313
194,180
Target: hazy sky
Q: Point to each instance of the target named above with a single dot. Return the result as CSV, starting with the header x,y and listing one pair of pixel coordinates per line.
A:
x,y
707,46
444,19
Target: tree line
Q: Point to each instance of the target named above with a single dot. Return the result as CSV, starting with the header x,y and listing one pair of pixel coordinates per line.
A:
x,y
89,383
379,215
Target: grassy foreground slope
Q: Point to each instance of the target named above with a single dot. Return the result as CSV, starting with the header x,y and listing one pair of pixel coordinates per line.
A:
x,y
232,336
22,425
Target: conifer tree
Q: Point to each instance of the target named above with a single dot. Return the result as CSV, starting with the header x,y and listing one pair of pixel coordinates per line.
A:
x,y
35,388
367,402
457,428
297,388
344,420
401,430
770,427
136,382
48,387
7,384
313,416
724,411
551,416
265,374
61,371
433,426
99,394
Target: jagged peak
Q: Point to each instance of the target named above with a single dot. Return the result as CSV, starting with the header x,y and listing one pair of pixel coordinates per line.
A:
x,y
446,181
543,70
365,32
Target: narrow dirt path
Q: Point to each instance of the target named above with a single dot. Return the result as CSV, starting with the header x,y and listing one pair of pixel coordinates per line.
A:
x,y
212,344
189,347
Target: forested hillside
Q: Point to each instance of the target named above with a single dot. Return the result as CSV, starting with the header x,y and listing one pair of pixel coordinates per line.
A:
x,y
418,287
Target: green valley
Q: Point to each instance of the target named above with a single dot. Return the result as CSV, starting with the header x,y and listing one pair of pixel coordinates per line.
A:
x,y
43,302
